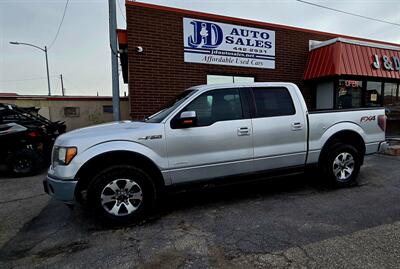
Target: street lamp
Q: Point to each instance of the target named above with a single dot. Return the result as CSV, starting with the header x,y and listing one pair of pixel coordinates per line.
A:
x,y
47,63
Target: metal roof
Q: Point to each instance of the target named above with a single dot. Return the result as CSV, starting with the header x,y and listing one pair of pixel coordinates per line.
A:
x,y
350,57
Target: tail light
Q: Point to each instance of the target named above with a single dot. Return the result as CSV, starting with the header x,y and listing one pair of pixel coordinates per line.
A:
x,y
33,134
382,122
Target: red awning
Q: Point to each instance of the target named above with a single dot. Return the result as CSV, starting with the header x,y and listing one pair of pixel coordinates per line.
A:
x,y
351,57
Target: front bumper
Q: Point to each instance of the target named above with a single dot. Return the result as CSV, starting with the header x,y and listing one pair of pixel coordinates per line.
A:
x,y
63,190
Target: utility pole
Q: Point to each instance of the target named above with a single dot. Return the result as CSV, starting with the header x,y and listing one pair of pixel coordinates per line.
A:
x,y
47,70
62,85
114,58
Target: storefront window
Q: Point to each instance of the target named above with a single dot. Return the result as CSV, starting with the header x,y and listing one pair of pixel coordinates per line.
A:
x,y
373,95
349,94
361,94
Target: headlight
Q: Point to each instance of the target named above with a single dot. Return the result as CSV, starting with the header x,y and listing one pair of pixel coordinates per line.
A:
x,y
63,155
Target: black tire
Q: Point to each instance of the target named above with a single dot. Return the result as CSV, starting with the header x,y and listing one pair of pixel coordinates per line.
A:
x,y
341,165
24,162
104,184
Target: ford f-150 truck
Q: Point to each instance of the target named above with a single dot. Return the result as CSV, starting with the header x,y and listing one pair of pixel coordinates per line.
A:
x,y
209,132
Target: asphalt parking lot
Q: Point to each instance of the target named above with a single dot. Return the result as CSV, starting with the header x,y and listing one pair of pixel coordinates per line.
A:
x,y
291,222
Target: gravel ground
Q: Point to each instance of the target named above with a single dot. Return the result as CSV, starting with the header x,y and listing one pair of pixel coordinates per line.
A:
x,y
291,222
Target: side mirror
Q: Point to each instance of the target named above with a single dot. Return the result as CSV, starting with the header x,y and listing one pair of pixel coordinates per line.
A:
x,y
188,119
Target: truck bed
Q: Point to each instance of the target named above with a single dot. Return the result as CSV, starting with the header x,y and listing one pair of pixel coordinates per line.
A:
x,y
324,123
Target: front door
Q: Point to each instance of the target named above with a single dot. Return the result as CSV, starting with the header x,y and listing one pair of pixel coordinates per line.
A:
x,y
220,144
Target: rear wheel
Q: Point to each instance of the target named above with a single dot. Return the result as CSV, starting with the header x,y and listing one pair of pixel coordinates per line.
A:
x,y
24,162
122,194
342,165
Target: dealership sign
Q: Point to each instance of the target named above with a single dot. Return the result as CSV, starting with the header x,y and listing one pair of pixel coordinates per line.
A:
x,y
226,44
386,62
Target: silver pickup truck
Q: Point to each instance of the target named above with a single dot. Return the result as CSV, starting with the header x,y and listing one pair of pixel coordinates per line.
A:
x,y
209,132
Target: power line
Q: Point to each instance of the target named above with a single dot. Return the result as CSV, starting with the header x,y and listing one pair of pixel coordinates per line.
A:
x,y
120,9
59,26
348,13
70,83
24,79
113,52
58,83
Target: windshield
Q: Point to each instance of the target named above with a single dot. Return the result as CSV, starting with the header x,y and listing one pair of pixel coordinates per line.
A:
x,y
160,115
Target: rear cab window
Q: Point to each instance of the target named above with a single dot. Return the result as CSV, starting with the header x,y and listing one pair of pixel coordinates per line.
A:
x,y
273,102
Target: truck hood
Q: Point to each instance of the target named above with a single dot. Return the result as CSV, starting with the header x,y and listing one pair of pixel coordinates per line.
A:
x,y
122,130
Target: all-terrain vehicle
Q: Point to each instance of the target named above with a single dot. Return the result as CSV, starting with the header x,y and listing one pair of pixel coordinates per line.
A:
x,y
26,139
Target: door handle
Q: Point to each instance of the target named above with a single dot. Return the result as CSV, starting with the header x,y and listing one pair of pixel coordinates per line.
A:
x,y
243,131
296,126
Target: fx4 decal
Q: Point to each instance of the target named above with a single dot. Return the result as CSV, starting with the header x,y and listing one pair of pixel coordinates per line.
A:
x,y
367,118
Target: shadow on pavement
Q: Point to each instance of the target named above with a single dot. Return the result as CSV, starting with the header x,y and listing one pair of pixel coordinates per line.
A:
x,y
256,217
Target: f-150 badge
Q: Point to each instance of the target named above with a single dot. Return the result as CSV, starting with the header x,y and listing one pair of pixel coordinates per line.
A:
x,y
150,137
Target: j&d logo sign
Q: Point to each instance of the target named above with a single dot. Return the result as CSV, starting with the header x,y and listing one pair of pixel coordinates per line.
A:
x,y
205,35
226,44
387,62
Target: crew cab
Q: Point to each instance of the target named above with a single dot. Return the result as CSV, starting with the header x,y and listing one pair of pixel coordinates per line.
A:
x,y
209,132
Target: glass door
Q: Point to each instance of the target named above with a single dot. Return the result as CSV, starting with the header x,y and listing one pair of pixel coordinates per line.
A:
x,y
391,101
373,94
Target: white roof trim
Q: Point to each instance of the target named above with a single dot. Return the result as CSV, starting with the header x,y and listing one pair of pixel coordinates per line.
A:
x,y
355,42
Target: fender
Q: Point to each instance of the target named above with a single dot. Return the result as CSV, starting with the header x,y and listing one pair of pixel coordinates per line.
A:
x,y
70,171
318,143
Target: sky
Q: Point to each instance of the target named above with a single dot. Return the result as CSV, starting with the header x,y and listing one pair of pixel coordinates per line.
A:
x,y
81,53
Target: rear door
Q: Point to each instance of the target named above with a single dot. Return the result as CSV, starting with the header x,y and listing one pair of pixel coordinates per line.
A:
x,y
219,145
279,128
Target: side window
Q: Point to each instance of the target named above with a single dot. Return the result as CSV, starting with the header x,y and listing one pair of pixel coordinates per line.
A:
x,y
216,105
71,111
271,102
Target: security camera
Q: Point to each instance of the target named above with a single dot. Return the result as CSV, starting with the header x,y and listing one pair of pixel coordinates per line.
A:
x,y
139,49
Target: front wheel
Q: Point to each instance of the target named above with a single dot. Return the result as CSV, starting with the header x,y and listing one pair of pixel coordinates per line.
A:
x,y
122,194
341,165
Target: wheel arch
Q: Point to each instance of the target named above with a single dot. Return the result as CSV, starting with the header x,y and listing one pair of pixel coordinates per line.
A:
x,y
117,157
345,136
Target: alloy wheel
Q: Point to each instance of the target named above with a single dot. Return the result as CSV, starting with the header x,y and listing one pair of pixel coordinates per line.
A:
x,y
121,197
343,166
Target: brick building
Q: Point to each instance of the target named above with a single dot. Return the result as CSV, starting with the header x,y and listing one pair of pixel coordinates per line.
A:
x,y
166,50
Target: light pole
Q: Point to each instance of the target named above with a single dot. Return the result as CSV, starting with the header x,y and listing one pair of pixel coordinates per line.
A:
x,y
47,62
